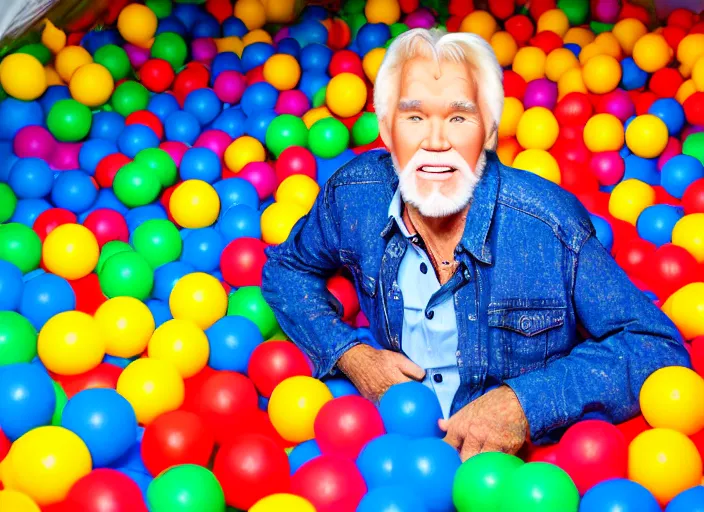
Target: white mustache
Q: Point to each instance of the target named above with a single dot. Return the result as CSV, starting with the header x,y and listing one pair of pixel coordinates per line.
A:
x,y
449,158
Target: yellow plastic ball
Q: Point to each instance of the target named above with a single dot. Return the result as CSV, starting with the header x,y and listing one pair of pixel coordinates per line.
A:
x,y
137,23
346,95
580,36
242,151
685,91
647,136
182,343
17,502
280,12
665,462
293,406
280,502
45,463
590,51
554,20
685,308
628,31
92,85
22,76
257,36
126,324
539,162
71,251
481,23
71,343
688,52
298,189
601,74
53,38
194,204
610,44
229,44
673,397
315,114
510,117
372,61
282,71
382,11
152,387
651,52
629,198
52,77
277,221
558,62
698,74
529,62
505,47
603,132
200,298
571,81
69,59
688,233
251,12
537,129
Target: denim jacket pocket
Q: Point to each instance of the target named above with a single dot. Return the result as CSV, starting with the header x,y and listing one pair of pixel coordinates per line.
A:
x,y
525,333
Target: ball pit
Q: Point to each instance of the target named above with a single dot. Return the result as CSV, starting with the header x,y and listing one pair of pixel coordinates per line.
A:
x,y
146,166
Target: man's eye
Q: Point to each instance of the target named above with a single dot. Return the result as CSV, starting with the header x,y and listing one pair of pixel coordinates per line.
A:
x,y
414,118
457,119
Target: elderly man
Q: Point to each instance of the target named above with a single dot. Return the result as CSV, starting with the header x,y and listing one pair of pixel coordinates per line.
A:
x,y
484,282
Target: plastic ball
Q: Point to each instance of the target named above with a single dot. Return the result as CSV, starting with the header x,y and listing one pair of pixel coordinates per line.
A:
x,y
629,198
126,274
670,398
126,325
22,76
689,500
282,71
346,94
70,251
684,307
330,483
69,59
137,24
185,488
91,84
69,120
603,132
542,486
278,220
655,223
106,488
17,501
537,129
182,343
282,501
232,341
529,63
687,233
129,97
200,298
328,138
538,162
27,398
294,404
158,241
70,343
31,178
602,74
477,483
510,117
646,136
693,197
285,131
651,52
20,246
249,303
152,387
412,410
11,287
34,141
194,204
620,495
136,185
74,191
243,151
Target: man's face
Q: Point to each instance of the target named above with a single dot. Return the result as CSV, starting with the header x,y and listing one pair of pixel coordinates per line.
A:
x,y
437,136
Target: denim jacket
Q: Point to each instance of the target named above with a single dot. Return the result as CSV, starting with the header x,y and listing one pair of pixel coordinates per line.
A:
x,y
540,305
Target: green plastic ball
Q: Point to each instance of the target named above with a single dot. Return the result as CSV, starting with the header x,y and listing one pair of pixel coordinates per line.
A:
x,y
186,488
249,303
398,28
37,50
110,248
126,274
18,339
539,487
115,60
328,137
319,97
478,481
160,163
694,146
162,8
21,246
285,131
8,202
69,120
598,27
365,129
135,185
61,400
354,6
576,11
355,22
129,96
158,240
170,47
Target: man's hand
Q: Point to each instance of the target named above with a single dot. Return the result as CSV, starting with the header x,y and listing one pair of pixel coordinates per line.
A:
x,y
494,422
374,371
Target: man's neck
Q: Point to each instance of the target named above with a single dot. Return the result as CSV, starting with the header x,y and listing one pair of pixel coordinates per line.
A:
x,y
441,229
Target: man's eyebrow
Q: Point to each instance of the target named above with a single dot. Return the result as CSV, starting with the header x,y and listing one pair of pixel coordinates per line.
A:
x,y
406,105
466,106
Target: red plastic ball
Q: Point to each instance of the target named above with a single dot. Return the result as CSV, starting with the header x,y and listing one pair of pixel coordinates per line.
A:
x,y
107,225
694,108
5,445
514,85
698,440
547,40
520,27
571,150
698,28
346,61
250,467
295,160
242,261
344,425
50,219
460,7
104,375
89,295
546,453
226,399
592,451
157,75
275,361
577,179
339,34
330,483
255,75
665,82
192,388
638,12
345,292
453,23
107,168
673,36
623,232
696,353
538,7
574,109
682,18
670,267
408,6
148,119
260,423
643,102
633,255
662,196
502,9
176,437
194,76
693,197
633,428
105,490
220,9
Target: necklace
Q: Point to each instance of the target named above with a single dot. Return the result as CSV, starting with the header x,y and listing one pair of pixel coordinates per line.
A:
x,y
444,267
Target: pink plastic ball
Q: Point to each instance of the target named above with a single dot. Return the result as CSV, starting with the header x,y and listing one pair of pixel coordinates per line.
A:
x,y
292,102
107,225
175,150
203,49
34,141
281,34
215,140
607,11
617,103
608,167
422,18
229,86
138,56
673,148
65,156
262,176
540,93
689,130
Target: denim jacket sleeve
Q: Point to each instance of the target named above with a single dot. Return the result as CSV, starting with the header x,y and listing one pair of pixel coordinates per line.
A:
x,y
630,339
294,286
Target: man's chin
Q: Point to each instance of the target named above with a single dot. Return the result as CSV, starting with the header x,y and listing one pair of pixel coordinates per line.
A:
x,y
436,205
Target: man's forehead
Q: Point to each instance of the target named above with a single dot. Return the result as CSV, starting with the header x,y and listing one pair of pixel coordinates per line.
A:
x,y
425,76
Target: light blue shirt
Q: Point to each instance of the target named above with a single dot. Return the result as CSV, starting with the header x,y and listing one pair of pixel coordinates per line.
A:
x,y
429,338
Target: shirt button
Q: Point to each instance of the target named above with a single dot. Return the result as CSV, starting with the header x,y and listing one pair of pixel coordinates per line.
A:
x,y
424,268
437,378
430,314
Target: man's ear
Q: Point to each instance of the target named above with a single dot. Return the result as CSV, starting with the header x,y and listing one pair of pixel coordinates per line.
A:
x,y
385,133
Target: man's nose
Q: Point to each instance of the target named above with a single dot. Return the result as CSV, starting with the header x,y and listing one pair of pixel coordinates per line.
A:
x,y
437,137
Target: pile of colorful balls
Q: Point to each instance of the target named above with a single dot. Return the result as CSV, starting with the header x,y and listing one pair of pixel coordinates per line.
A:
x,y
146,165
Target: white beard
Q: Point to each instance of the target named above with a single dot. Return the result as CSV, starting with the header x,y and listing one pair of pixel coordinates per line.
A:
x,y
437,204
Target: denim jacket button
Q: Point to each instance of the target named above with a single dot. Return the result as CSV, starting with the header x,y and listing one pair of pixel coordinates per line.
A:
x,y
430,314
524,322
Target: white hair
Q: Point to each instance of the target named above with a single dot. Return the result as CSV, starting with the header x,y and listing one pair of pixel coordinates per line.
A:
x,y
461,47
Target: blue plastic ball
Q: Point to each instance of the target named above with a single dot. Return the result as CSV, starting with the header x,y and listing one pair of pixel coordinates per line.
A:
x,y
161,105
259,96
289,46
27,211
255,55
314,12
302,453
166,276
316,57
44,296
225,61
27,399
656,222
234,27
327,166
31,178
160,311
137,216
231,121
372,35
96,39
200,164
604,232
312,81
172,24
204,104
121,362
240,221
11,286
93,151
107,125
411,409
206,26
679,172
691,500
181,126
7,160
395,498
136,137
202,249
266,203
258,123
234,191
232,340
632,76
574,48
619,495
74,191
104,420
643,169
309,32
108,199
671,113
16,114
341,387
53,94
188,13
378,462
